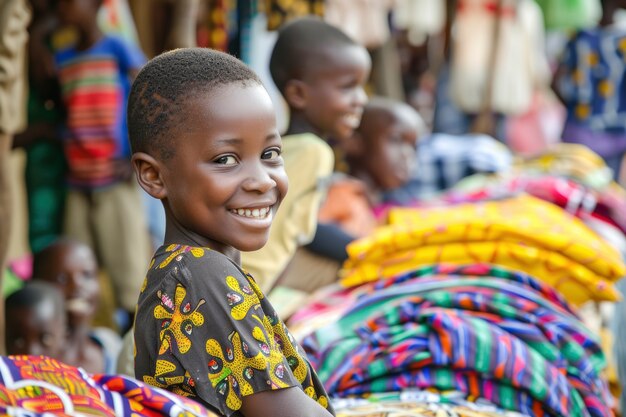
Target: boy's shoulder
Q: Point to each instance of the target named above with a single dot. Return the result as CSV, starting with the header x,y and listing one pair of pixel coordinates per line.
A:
x,y
306,143
193,260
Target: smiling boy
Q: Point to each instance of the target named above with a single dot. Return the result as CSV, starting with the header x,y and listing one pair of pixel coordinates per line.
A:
x,y
321,74
205,142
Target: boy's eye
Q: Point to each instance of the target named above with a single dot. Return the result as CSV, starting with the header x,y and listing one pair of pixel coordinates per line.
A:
x,y
226,160
62,279
271,154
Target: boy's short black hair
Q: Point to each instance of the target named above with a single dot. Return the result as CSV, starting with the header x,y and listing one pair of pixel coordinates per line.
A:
x,y
45,257
33,294
169,80
299,46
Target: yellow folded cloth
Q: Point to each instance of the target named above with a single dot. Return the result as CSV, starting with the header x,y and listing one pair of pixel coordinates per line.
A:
x,y
523,233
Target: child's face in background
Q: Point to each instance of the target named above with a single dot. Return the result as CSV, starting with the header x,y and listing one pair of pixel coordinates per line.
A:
x,y
335,93
390,152
39,330
226,178
75,272
77,12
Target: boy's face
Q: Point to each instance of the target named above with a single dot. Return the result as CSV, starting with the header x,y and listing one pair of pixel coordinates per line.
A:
x,y
226,179
335,94
36,331
391,151
75,12
75,273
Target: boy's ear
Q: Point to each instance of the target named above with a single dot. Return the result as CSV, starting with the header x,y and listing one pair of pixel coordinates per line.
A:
x,y
148,171
296,94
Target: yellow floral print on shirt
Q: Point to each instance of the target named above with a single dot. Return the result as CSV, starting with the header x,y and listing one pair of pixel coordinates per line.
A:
x,y
177,321
219,338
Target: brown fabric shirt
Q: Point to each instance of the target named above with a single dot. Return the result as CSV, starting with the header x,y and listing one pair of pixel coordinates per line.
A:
x,y
204,330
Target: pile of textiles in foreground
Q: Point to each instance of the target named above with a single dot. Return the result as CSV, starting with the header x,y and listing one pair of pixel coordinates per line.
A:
x,y
40,386
474,302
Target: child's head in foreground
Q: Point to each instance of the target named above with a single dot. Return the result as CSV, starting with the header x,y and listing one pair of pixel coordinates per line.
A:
x,y
71,266
384,149
321,72
205,142
36,321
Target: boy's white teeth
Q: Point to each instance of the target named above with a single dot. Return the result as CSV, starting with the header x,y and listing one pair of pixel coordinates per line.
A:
x,y
353,120
254,213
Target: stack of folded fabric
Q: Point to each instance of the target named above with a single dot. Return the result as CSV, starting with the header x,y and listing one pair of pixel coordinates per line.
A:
x,y
522,233
469,305
491,335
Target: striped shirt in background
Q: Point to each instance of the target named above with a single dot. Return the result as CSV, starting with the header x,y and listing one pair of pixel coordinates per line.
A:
x,y
95,86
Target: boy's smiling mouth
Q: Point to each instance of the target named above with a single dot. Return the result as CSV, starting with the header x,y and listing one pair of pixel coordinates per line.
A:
x,y
256,213
352,119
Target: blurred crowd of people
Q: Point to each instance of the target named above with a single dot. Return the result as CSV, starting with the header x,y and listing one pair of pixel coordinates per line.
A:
x,y
448,89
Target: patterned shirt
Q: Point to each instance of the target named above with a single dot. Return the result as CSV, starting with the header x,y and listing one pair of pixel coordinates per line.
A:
x,y
593,85
95,86
204,330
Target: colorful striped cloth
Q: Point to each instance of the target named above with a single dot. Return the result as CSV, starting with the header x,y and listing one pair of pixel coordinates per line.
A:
x,y
508,338
40,387
441,339
328,304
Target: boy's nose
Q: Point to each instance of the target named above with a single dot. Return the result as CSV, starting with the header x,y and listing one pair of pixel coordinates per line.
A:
x,y
74,283
258,179
361,97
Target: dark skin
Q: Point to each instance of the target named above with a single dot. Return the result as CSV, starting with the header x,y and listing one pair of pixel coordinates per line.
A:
x,y
37,330
328,100
386,145
232,153
71,266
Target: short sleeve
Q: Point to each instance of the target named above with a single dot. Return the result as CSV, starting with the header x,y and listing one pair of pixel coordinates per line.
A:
x,y
215,341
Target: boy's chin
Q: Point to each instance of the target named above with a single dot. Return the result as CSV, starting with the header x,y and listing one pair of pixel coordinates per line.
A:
x,y
253,246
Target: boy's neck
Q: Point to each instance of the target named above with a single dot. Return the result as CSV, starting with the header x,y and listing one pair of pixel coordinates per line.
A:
x,y
179,235
298,124
88,37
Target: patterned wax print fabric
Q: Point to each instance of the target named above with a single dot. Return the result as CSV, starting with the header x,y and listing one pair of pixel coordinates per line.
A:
x,y
522,233
445,349
607,204
573,161
490,339
37,386
95,85
330,303
204,330
516,307
593,85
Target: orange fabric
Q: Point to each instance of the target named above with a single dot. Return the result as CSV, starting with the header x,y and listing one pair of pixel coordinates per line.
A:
x,y
348,206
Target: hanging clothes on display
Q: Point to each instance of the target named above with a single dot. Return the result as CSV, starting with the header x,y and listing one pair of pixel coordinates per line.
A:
x,y
478,68
419,17
281,11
